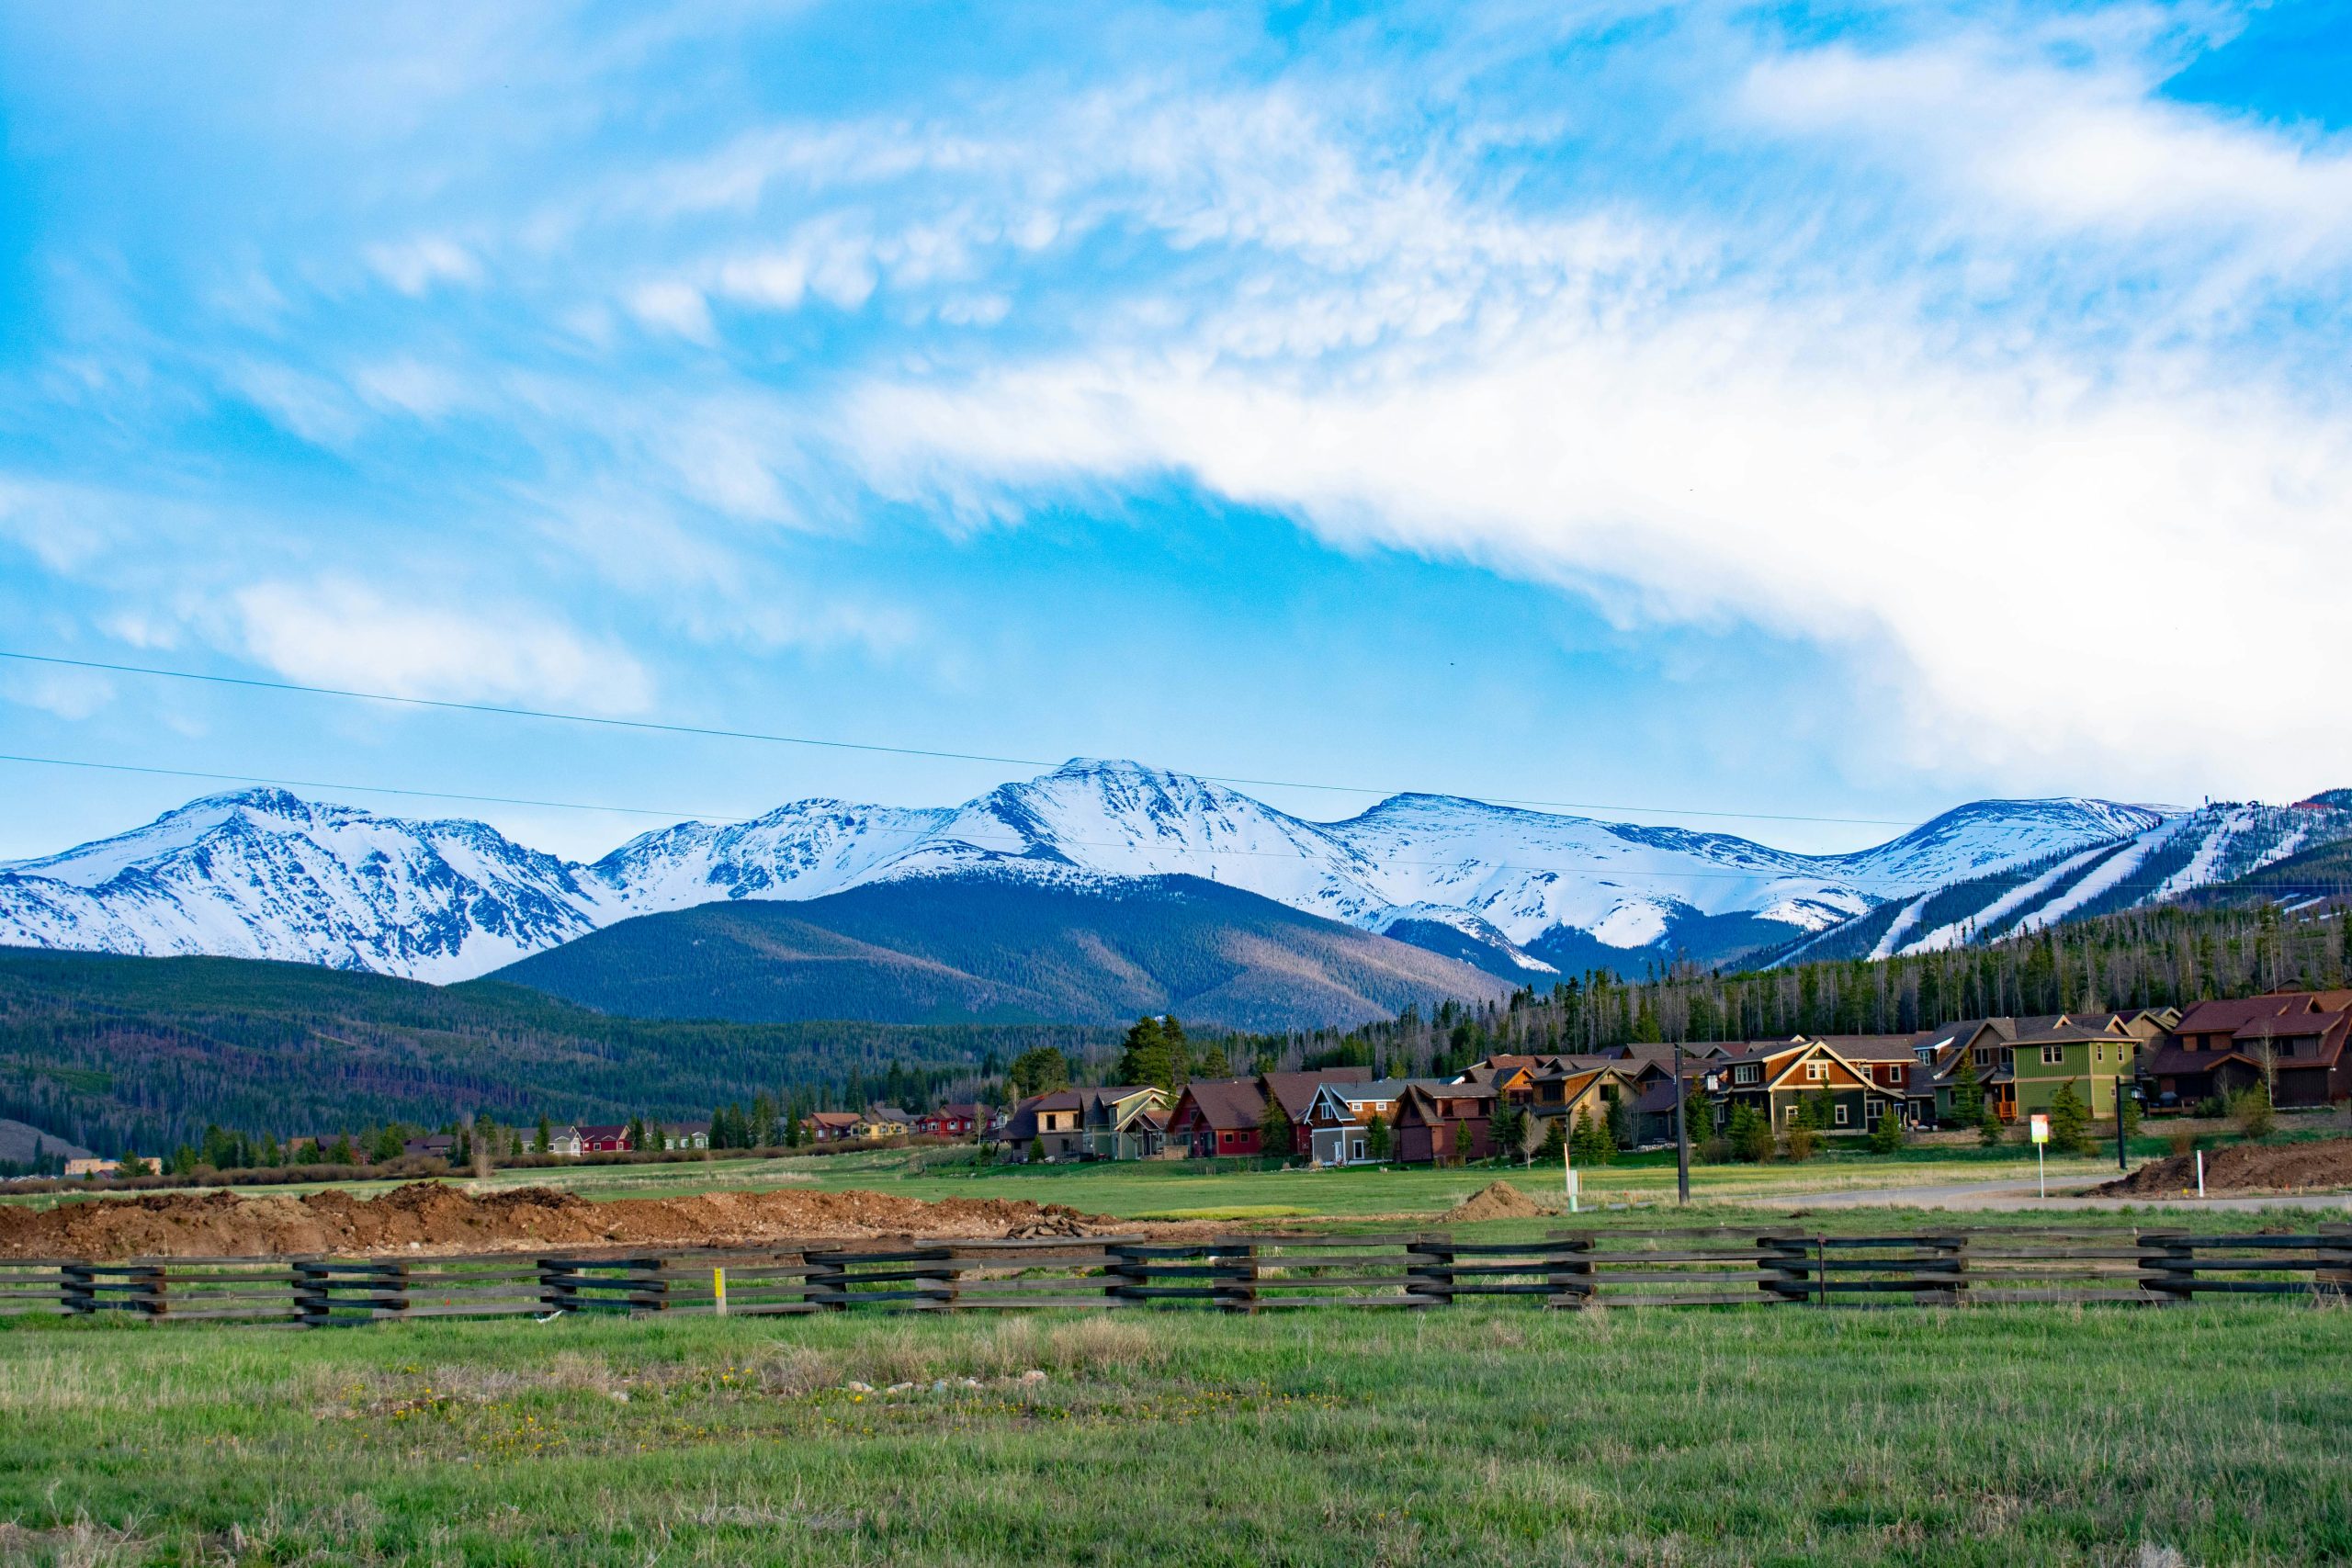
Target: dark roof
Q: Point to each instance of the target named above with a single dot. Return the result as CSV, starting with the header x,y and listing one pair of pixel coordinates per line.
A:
x,y
1871,1048
1226,1104
1296,1091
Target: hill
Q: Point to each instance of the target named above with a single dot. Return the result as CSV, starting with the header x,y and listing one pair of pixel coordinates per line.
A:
x,y
116,1053
996,949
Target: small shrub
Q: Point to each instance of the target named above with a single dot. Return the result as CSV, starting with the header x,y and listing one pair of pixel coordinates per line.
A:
x,y
2251,1109
1800,1143
1714,1150
2182,1141
1888,1136
2213,1107
1988,1125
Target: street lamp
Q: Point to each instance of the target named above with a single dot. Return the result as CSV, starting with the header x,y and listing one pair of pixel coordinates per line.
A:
x,y
2122,1154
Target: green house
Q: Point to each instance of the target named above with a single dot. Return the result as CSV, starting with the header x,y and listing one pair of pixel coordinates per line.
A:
x,y
2093,1056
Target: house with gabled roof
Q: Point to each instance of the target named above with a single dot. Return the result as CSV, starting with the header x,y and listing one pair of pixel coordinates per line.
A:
x,y
1444,1123
1583,1089
1217,1117
2299,1041
1776,1078
1295,1090
1340,1117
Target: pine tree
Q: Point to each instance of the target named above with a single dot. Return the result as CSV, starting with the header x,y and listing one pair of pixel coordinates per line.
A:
x,y
1555,1146
543,1139
1379,1140
2070,1120
1988,1124
1275,1133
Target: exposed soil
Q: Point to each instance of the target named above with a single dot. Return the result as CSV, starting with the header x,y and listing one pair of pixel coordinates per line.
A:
x,y
2243,1167
1497,1200
432,1217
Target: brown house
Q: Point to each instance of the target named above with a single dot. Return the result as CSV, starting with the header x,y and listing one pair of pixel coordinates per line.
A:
x,y
2294,1040
1217,1116
1431,1119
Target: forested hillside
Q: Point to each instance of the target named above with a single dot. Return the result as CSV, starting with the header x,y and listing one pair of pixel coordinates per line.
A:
x,y
144,1053
934,950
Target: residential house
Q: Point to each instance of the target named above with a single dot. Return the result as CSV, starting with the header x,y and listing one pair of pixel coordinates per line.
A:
x,y
2092,1050
1218,1116
1296,1092
1431,1123
2296,1039
831,1126
682,1134
566,1140
1583,1089
85,1169
1089,1123
611,1140
438,1145
886,1121
1778,1079
1888,1063
1124,1122
960,1121
1340,1117
1511,1078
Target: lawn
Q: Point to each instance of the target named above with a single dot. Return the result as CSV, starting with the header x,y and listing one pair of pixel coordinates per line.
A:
x,y
1986,1436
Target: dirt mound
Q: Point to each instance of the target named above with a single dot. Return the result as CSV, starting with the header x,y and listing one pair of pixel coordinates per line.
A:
x,y
433,1216
2243,1167
1498,1201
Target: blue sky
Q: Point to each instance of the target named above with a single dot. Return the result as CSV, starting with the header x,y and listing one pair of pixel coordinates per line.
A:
x,y
1837,410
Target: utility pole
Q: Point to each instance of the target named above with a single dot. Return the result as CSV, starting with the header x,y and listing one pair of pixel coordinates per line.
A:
x,y
1682,1131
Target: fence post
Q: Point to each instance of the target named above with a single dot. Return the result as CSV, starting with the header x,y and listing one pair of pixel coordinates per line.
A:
x,y
1238,1286
1431,1269
830,1277
77,1288
2167,1267
1952,1260
556,1285
2331,1280
1784,1258
1127,1269
1568,1270
649,1285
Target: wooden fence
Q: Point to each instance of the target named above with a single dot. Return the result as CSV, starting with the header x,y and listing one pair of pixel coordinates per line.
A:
x,y
1244,1274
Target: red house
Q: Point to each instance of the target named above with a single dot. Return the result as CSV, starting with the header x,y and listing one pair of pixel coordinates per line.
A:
x,y
603,1140
949,1122
1217,1116
1429,1122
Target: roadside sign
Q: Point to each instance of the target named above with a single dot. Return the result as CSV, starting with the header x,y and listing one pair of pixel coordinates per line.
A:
x,y
2038,1127
2041,1128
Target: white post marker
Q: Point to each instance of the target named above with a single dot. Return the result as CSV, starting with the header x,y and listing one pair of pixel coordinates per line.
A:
x,y
2200,1173
1568,1172
2039,1126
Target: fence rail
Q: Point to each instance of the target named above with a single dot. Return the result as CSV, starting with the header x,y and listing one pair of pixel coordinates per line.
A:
x,y
1568,1269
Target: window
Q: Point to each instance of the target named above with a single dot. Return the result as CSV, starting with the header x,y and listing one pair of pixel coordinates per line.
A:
x,y
1984,1055
1356,1149
1841,1115
2053,1055
1815,1071
1794,1112
1751,1073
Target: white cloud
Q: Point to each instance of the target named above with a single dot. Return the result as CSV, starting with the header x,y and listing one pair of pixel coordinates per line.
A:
x,y
415,266
674,307
336,631
2087,148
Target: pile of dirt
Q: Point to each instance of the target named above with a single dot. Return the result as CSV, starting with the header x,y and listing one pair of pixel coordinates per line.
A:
x,y
1498,1201
433,1216
2243,1167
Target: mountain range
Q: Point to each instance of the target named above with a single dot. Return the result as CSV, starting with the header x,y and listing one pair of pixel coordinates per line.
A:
x,y
1523,896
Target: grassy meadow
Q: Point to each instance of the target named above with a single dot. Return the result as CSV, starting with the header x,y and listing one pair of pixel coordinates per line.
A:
x,y
2207,1435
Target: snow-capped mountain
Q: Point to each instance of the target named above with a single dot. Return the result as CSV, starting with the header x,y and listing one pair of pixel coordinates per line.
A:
x,y
266,874
262,874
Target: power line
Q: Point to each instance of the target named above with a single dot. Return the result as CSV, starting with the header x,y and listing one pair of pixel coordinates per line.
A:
x,y
1016,844
657,726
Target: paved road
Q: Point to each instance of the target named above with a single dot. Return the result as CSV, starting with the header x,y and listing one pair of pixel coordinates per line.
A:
x,y
2005,1195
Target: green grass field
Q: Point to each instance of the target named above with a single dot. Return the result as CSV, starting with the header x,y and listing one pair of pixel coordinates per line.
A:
x,y
1990,1435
